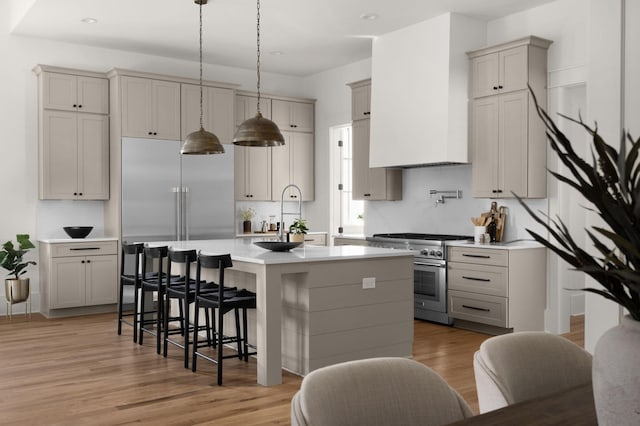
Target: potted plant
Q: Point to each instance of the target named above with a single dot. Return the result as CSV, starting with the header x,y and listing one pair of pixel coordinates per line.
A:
x,y
297,230
247,214
16,288
610,182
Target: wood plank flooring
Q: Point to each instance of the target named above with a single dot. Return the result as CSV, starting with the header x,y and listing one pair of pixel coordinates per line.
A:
x,y
78,371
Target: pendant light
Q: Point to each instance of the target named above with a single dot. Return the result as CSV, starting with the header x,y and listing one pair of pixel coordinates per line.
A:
x,y
201,141
258,131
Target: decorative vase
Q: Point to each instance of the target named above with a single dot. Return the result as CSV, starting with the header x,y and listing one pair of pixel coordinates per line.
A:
x,y
16,290
246,226
616,376
296,238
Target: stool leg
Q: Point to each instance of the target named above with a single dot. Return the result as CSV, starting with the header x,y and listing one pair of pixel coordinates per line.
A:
x,y
195,336
136,313
186,328
159,320
165,327
238,335
142,319
120,297
220,345
245,335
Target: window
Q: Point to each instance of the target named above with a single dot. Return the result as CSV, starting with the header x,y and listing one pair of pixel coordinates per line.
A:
x,y
347,214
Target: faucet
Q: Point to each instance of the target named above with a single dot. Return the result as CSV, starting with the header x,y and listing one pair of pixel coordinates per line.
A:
x,y
445,194
282,212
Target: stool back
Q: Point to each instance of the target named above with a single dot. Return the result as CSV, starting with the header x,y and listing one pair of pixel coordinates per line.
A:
x,y
219,262
184,257
158,254
135,250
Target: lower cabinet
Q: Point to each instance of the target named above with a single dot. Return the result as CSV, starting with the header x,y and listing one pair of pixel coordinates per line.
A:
x,y
315,239
500,288
75,275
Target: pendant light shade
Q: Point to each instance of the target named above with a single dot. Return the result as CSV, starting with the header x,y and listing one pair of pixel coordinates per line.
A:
x,y
201,142
258,131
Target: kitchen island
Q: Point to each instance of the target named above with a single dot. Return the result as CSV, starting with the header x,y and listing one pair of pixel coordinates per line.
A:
x,y
318,306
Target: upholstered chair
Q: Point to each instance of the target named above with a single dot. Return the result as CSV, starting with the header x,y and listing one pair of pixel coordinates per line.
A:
x,y
376,391
520,366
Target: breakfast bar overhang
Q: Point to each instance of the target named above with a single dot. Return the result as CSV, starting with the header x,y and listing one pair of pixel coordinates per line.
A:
x,y
314,306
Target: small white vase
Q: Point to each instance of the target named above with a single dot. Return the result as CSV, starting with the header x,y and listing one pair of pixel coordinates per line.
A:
x,y
616,375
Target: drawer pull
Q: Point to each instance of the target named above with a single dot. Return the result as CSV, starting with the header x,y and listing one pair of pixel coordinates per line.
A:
x,y
476,309
84,248
482,256
486,280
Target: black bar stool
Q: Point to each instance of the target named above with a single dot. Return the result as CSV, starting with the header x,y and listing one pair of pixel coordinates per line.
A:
x,y
153,283
183,290
224,302
131,279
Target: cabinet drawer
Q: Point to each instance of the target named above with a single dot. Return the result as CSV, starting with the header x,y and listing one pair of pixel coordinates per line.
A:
x,y
479,256
85,248
489,310
315,240
482,279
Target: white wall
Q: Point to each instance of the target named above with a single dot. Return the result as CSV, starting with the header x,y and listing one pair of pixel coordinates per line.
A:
x,y
21,210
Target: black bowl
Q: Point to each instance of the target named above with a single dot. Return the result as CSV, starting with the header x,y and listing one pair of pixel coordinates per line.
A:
x,y
277,245
77,231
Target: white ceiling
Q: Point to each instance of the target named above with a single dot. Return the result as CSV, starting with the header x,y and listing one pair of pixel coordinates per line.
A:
x,y
313,35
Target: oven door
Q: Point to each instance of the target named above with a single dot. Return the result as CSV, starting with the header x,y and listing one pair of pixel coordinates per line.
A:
x,y
430,285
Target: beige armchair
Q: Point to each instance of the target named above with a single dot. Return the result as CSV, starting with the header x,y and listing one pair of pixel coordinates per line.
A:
x,y
526,365
376,391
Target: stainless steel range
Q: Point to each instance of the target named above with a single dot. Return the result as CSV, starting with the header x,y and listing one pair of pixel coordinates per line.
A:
x,y
429,270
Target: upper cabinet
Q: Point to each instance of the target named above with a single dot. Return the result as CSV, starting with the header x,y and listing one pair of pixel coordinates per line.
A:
x,y
360,101
73,134
247,106
292,116
217,111
75,93
292,163
499,72
150,108
369,183
508,139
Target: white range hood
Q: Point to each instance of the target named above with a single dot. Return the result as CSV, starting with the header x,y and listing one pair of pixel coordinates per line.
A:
x,y
419,92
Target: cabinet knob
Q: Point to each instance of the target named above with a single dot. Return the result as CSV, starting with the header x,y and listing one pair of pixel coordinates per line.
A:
x,y
88,261
79,106
75,193
154,133
495,87
499,87
150,133
367,195
79,193
82,261
75,106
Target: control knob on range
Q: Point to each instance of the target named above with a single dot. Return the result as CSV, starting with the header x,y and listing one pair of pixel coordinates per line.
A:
x,y
425,252
438,253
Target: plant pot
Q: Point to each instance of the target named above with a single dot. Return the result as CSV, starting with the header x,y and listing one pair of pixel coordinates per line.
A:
x,y
296,238
246,226
16,290
616,376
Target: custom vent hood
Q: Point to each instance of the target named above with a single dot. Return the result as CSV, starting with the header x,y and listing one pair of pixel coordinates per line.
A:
x,y
419,92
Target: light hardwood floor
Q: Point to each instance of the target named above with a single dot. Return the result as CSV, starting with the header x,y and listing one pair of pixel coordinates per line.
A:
x,y
79,371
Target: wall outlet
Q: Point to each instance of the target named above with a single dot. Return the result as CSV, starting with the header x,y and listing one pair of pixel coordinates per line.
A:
x,y
369,282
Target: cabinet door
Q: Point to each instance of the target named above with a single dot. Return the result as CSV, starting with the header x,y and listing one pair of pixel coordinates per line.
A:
x,y
67,282
512,151
484,136
59,156
281,175
166,110
93,157
93,95
246,107
484,75
59,91
361,103
220,113
513,69
252,169
136,107
360,178
292,116
302,164
190,109
101,276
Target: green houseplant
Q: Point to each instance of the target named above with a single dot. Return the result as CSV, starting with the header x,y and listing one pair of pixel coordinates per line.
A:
x,y
247,214
610,183
11,258
297,230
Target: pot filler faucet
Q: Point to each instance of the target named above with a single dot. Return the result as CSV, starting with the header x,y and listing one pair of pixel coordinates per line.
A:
x,y
445,194
282,212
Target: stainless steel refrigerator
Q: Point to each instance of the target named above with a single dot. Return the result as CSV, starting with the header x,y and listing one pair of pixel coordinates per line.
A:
x,y
167,196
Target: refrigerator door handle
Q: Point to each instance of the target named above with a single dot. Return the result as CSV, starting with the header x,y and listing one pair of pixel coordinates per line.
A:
x,y
185,212
176,222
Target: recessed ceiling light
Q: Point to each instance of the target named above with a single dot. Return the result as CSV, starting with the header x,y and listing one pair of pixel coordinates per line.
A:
x,y
89,20
276,52
369,16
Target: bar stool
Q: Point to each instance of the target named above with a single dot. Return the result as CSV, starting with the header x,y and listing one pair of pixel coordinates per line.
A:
x,y
130,280
183,290
150,284
224,302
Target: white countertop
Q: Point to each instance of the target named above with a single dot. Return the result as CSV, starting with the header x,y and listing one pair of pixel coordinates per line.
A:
x,y
243,250
76,240
504,245
271,234
350,236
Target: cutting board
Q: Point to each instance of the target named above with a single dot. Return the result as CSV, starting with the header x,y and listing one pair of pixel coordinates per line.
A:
x,y
500,217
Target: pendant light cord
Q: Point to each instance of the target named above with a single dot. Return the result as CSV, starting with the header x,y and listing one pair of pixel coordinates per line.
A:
x,y
258,60
201,122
